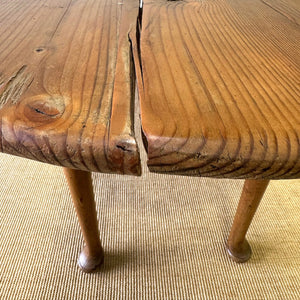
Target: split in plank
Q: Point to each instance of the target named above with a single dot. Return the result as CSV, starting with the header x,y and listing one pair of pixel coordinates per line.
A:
x,y
67,83
67,93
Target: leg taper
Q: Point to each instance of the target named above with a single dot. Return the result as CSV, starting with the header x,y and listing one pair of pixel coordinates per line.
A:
x,y
237,246
80,184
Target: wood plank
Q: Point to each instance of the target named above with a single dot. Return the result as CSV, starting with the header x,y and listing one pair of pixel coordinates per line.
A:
x,y
67,83
219,87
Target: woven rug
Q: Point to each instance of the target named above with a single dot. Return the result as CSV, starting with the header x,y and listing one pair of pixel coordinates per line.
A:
x,y
164,238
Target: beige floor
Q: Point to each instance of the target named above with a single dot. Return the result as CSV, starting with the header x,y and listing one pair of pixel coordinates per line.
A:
x,y
163,236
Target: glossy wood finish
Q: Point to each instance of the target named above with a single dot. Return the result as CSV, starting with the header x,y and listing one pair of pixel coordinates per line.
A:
x,y
237,246
67,83
219,87
80,184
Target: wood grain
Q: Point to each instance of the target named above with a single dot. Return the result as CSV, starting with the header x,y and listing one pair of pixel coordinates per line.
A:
x,y
67,83
219,87
237,246
81,188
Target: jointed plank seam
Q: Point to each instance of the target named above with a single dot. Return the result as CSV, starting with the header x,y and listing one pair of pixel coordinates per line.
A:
x,y
217,84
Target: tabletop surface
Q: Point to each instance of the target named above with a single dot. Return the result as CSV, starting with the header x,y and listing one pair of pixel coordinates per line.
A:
x,y
219,87
67,83
218,82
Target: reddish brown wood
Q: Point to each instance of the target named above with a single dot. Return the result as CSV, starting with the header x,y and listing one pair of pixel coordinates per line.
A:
x,y
67,83
219,87
237,245
80,184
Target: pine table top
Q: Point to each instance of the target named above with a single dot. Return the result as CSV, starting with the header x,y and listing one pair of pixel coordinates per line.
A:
x,y
67,83
219,87
218,82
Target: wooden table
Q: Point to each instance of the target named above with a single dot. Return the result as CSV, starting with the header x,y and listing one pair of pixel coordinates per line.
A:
x,y
218,82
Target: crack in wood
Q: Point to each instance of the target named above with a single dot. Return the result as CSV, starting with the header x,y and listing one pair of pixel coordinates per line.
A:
x,y
123,148
44,113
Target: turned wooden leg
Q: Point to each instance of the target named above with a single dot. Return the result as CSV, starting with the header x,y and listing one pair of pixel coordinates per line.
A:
x,y
80,184
237,246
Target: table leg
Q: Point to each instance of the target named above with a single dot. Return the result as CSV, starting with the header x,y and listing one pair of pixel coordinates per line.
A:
x,y
80,184
237,246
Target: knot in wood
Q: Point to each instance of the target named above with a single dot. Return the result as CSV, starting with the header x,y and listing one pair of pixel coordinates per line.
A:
x,y
45,109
